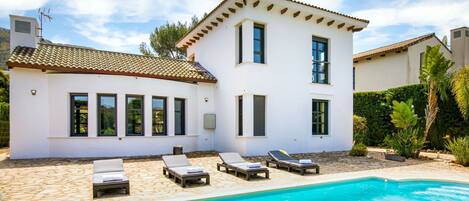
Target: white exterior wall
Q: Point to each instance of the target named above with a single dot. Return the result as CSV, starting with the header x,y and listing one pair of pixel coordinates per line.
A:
x,y
40,124
285,80
394,69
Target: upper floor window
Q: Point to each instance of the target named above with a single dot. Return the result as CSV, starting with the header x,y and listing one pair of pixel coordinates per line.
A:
x,y
320,59
422,61
159,115
240,44
107,115
79,114
135,119
457,34
22,26
320,117
467,33
179,116
259,49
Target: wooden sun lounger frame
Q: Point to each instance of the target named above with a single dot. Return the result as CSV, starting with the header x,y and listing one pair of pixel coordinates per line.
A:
x,y
111,185
247,173
184,178
289,167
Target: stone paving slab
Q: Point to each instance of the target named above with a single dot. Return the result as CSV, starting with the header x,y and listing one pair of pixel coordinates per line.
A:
x,y
70,179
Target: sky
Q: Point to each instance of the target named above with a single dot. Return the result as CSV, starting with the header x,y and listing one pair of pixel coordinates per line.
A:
x,y
121,25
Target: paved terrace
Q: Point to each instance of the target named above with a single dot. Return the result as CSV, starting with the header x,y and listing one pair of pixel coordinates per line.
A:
x,y
70,179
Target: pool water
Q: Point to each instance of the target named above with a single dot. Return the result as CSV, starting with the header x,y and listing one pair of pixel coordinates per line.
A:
x,y
365,189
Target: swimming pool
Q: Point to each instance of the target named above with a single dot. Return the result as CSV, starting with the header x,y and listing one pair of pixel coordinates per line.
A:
x,y
364,189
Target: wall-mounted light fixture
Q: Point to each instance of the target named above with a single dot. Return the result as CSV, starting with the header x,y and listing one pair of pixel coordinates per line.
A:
x,y
206,99
33,92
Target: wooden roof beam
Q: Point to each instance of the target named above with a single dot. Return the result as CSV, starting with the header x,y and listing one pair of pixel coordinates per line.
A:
x,y
320,20
308,17
209,27
240,5
200,34
205,31
219,19
340,25
270,7
214,23
192,40
225,15
232,10
296,14
283,11
245,2
350,28
255,4
330,22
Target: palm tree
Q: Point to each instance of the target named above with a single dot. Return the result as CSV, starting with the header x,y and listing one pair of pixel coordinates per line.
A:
x,y
461,90
436,79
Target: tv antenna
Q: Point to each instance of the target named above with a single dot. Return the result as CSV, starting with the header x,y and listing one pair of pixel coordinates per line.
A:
x,y
43,15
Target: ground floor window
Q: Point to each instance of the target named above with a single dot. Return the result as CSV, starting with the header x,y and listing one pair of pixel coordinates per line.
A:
x,y
240,115
259,115
320,117
179,116
107,115
159,116
135,118
79,114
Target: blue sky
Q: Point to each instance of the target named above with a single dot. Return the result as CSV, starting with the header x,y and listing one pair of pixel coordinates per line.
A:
x,y
121,25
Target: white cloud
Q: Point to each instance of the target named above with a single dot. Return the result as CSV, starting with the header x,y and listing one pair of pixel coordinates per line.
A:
x,y
420,17
18,7
93,18
334,5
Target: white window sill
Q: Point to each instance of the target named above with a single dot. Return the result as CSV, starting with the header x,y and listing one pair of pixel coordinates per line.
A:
x,y
251,137
318,84
123,137
321,136
238,65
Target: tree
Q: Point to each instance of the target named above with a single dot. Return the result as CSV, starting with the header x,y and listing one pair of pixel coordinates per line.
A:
x,y
445,40
460,88
164,38
436,79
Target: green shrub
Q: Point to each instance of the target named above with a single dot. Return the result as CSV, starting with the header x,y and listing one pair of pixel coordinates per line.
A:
x,y
358,150
359,129
460,149
376,108
406,142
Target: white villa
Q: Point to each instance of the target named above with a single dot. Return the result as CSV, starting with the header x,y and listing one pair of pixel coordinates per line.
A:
x,y
400,63
261,75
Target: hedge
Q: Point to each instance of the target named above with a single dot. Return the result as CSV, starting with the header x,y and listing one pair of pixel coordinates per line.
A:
x,y
376,108
4,124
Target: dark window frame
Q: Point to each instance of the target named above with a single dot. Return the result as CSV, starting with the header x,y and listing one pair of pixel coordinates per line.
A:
x,y
263,133
467,33
457,34
22,26
183,116
99,116
240,44
240,115
261,40
326,117
422,61
72,108
354,82
317,63
127,96
165,118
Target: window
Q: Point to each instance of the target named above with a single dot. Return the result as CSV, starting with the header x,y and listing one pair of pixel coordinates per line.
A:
x,y
107,115
179,116
353,78
135,119
79,115
457,34
240,44
320,61
240,115
159,116
259,115
22,27
467,33
259,43
320,117
422,60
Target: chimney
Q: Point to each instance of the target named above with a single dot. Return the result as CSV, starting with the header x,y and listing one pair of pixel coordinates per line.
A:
x,y
460,46
24,31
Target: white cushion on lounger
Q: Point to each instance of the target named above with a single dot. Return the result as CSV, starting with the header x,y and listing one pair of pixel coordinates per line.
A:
x,y
183,171
305,161
113,177
254,165
98,178
194,170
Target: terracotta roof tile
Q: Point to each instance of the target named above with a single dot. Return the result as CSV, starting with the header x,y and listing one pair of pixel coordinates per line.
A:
x,y
391,48
66,58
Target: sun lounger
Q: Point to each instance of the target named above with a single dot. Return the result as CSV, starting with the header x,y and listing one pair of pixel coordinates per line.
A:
x,y
282,159
179,168
109,174
234,162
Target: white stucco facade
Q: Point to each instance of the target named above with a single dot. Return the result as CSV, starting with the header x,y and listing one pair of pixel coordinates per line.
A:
x,y
40,123
393,69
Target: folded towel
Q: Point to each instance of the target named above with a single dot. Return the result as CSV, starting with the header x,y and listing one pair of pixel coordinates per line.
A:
x,y
112,177
194,170
305,161
254,165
